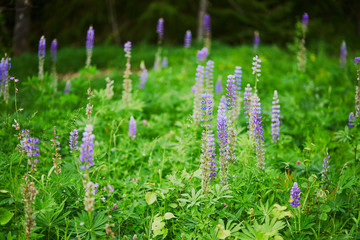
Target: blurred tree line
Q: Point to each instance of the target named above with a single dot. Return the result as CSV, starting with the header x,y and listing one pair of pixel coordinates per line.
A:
x,y
117,21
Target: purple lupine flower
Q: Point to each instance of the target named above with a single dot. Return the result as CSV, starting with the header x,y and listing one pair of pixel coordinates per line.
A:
x,y
218,86
202,54
127,49
238,76
275,118
30,147
87,148
42,44
295,195
67,87
73,140
5,66
257,130
132,128
357,60
325,166
110,187
187,40
53,50
160,28
305,21
143,78
198,90
223,143
351,120
164,62
90,39
256,40
223,100
209,69
207,25
247,97
343,54
208,147
231,92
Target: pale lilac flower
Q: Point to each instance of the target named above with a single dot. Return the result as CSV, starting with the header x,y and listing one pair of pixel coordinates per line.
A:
x,y
42,44
73,140
275,118
231,92
325,166
132,128
207,25
343,54
53,50
164,62
223,143
87,148
256,40
202,54
67,87
127,49
218,86
160,28
351,120
187,40
305,21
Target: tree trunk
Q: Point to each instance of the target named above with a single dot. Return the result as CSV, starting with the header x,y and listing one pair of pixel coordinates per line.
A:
x,y
113,21
22,26
201,14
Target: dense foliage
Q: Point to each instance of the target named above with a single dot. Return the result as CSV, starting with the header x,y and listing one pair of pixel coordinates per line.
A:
x,y
149,185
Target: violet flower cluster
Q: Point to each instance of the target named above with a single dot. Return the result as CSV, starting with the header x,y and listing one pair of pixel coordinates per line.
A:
x,y
304,21
208,146
187,39
127,49
73,143
41,54
31,148
87,148
351,120
56,154
209,75
202,54
127,83
207,26
238,77
218,86
258,131
247,96
5,66
160,29
256,68
53,50
132,128
198,88
67,87
143,75
231,92
295,195
256,40
343,53
223,143
275,118
326,167
89,45
165,62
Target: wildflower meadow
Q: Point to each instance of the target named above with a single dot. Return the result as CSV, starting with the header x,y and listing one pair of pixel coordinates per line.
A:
x,y
196,141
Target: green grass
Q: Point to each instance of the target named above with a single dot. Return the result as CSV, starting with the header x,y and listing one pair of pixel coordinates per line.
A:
x,y
158,173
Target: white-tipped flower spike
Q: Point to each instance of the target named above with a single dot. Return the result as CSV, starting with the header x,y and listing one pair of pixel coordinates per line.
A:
x,y
275,118
41,54
89,45
132,128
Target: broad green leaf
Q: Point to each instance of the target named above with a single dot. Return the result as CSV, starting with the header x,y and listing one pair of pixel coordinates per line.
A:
x,y
325,208
173,205
278,238
169,215
323,216
5,216
222,234
150,197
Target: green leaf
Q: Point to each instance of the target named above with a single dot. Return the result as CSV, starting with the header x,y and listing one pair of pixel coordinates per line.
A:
x,y
5,216
173,205
323,216
150,197
325,208
169,215
222,234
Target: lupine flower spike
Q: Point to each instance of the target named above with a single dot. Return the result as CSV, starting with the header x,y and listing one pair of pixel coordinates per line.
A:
x,y
324,175
295,196
302,49
231,96
53,51
209,85
5,66
187,40
29,193
258,131
160,32
87,148
199,88
41,55
256,41
218,86
132,128
89,45
238,78
256,70
127,85
208,154
351,120
73,143
109,91
223,144
247,104
343,54
275,118
143,75
31,148
202,54
207,28
67,87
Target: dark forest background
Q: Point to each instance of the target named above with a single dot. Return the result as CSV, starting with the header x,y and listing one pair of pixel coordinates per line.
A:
x,y
233,21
